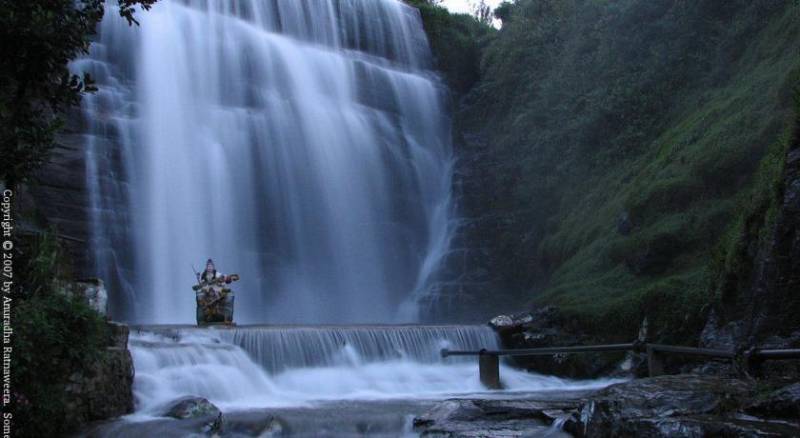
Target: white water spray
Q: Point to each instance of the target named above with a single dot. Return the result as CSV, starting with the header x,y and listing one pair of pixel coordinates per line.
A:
x,y
295,366
302,144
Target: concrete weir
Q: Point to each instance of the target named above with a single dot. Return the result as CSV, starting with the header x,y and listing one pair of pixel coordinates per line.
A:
x,y
266,366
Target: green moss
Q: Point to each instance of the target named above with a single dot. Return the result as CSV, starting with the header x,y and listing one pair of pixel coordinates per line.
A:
x,y
673,114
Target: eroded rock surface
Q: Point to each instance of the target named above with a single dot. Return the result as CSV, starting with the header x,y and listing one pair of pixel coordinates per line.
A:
x,y
680,405
666,406
106,390
467,418
781,403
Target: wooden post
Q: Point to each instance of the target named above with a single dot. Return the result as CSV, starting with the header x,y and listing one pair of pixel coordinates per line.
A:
x,y
489,368
654,363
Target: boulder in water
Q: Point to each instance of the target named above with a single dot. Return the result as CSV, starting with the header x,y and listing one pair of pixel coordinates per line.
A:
x,y
191,407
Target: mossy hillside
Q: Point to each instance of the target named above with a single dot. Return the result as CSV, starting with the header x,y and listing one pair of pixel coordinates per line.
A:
x,y
690,186
660,112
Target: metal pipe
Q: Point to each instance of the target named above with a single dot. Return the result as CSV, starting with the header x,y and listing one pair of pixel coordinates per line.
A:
x,y
692,351
778,354
541,351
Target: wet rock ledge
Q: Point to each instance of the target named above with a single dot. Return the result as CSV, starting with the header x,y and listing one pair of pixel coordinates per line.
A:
x,y
106,389
547,327
665,406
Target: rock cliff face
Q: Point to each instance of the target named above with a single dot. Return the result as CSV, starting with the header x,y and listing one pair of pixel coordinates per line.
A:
x,y
65,195
58,197
106,390
773,307
763,309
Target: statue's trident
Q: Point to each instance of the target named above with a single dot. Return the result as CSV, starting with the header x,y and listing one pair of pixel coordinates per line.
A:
x,y
196,274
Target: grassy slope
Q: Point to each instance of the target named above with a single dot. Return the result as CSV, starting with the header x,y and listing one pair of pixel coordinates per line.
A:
x,y
687,187
672,113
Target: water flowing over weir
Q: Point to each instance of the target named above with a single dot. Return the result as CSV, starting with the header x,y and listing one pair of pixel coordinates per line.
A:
x,y
301,144
290,366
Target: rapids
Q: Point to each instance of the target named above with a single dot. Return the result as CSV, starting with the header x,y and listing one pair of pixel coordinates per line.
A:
x,y
257,367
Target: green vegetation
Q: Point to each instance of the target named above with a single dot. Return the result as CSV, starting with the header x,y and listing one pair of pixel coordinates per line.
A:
x,y
634,145
754,232
456,41
55,336
37,40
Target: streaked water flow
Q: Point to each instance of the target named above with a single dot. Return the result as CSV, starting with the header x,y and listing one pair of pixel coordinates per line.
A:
x,y
301,144
293,366
277,349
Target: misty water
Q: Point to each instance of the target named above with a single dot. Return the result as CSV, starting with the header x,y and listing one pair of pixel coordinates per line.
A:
x,y
306,146
320,381
302,144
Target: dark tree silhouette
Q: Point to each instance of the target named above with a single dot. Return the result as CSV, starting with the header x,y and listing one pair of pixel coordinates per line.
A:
x,y
37,40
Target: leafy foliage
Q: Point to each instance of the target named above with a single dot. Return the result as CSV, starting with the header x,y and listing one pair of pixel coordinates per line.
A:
x,y
37,40
456,41
655,114
55,336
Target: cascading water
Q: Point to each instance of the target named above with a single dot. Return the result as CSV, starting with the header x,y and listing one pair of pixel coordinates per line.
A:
x,y
277,349
301,144
289,366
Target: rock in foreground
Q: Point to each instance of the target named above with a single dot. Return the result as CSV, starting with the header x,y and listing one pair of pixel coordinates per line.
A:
x,y
468,418
191,407
547,327
781,403
106,389
665,406
681,405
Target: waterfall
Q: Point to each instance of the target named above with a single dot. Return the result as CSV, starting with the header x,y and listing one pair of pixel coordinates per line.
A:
x,y
302,144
